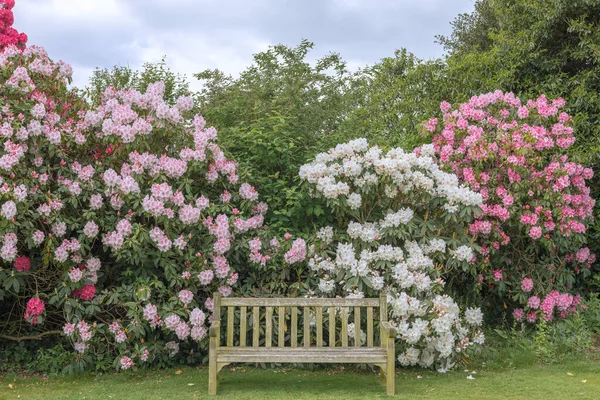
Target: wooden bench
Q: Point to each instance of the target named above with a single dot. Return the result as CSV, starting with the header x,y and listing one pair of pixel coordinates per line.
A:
x,y
313,348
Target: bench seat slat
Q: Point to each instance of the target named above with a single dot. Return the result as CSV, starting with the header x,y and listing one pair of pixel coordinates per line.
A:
x,y
288,302
303,355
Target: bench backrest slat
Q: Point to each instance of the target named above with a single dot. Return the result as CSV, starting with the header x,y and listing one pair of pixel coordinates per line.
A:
x,y
319,312
280,326
230,319
357,338
344,310
242,326
255,327
306,312
294,337
268,326
369,326
331,326
344,326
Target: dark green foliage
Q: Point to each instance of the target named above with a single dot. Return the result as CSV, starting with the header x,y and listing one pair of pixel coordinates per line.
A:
x,y
274,117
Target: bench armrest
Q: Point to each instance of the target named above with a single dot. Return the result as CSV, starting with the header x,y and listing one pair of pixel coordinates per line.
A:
x,y
214,329
388,330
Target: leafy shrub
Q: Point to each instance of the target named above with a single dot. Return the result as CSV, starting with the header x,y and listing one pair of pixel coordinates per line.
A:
x,y
117,221
532,231
402,228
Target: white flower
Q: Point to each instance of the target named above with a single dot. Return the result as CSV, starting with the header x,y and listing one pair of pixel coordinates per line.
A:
x,y
463,253
474,316
354,201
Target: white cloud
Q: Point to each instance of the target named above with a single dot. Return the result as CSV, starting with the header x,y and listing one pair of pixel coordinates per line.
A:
x,y
224,34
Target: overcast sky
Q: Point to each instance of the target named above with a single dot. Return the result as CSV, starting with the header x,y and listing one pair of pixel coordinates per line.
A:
x,y
200,34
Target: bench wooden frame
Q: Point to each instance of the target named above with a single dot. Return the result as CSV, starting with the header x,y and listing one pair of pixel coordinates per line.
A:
x,y
382,355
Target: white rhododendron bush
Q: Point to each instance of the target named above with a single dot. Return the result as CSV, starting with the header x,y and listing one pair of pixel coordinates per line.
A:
x,y
116,223
403,229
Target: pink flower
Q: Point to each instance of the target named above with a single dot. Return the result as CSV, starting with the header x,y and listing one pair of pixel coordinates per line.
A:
x,y
182,330
186,296
68,329
533,302
126,363
205,277
535,232
297,253
518,314
75,275
35,307
497,275
445,106
226,197
527,285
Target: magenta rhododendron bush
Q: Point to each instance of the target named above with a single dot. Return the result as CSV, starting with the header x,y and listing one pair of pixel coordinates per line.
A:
x,y
119,222
532,228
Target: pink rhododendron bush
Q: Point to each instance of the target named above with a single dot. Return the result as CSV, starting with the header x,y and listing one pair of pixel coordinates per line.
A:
x,y
536,205
404,229
116,223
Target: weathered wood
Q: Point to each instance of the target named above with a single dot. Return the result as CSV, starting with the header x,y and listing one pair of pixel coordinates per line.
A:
x,y
280,326
294,336
319,325
357,341
303,355
388,335
243,326
230,320
331,326
382,356
383,313
212,356
302,302
344,326
391,367
255,327
306,333
217,306
369,326
268,326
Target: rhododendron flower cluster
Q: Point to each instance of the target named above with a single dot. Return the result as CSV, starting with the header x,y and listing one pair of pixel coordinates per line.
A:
x,y
535,198
406,226
8,34
34,311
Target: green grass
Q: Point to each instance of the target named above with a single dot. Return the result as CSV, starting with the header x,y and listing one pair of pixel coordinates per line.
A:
x,y
568,380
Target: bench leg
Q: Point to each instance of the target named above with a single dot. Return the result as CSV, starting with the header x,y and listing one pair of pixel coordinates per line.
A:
x,y
382,370
391,367
212,378
212,368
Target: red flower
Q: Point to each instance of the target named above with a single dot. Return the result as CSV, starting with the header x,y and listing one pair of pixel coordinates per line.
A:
x,y
22,263
88,292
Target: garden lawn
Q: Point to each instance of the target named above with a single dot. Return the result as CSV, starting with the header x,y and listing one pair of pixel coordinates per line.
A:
x,y
569,380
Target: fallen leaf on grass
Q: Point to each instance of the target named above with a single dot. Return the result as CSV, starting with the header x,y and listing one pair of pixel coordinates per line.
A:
x,y
570,374
11,386
584,381
190,384
178,372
